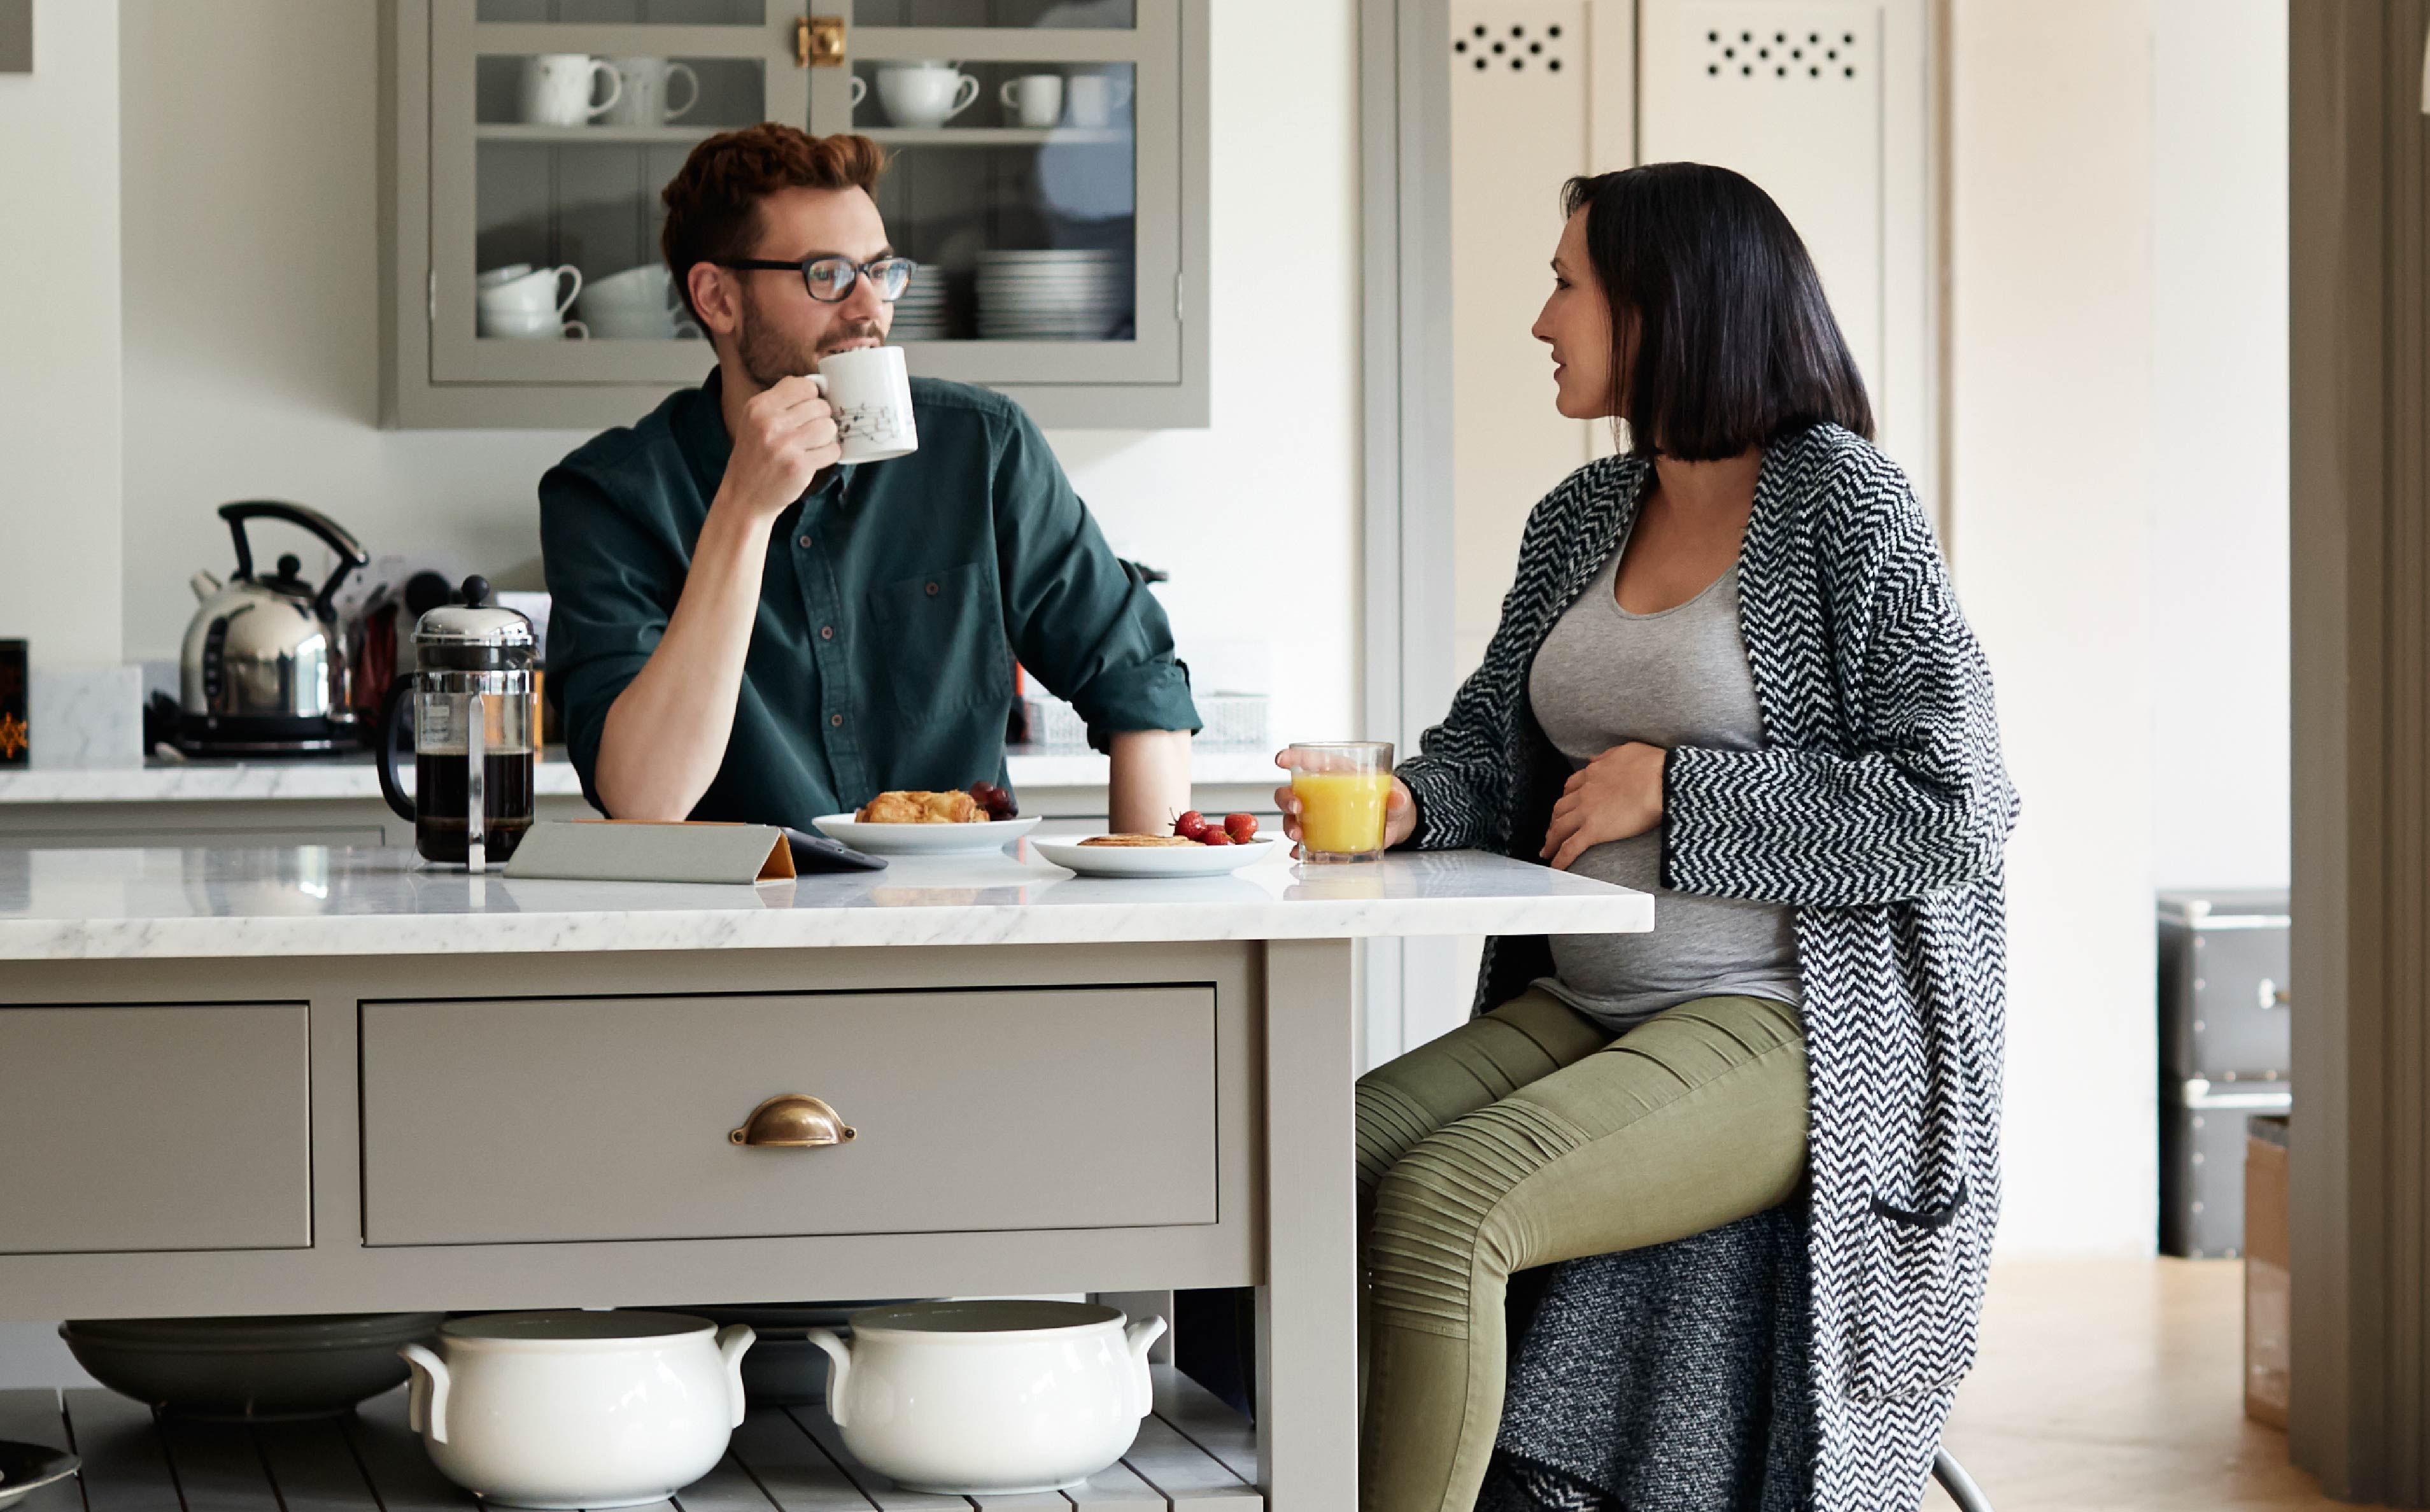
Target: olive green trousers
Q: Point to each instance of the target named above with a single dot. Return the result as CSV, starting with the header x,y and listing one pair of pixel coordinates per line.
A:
x,y
1526,1137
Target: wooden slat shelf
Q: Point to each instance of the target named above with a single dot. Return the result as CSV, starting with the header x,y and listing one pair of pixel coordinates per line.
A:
x,y
1193,1453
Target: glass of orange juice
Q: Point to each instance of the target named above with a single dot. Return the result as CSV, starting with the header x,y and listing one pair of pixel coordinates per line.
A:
x,y
1342,788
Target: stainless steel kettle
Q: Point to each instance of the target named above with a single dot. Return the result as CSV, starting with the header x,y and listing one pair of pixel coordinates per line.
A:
x,y
263,671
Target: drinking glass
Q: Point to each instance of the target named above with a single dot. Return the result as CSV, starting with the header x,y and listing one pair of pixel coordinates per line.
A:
x,y
1342,788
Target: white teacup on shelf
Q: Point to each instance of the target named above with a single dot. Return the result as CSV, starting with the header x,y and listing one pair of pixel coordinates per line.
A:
x,y
521,327
1097,99
648,84
1033,100
492,277
533,294
556,88
924,95
637,305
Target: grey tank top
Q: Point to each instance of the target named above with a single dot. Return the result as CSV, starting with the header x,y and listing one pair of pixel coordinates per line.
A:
x,y
1605,677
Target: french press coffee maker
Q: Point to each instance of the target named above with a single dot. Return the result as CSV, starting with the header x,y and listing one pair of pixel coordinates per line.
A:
x,y
474,732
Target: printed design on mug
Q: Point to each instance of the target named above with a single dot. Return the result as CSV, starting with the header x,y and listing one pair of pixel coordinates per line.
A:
x,y
12,736
872,422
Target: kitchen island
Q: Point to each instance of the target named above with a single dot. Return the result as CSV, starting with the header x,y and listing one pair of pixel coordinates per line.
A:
x,y
317,1080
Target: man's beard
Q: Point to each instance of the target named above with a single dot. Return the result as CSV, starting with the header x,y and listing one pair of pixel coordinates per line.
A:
x,y
769,355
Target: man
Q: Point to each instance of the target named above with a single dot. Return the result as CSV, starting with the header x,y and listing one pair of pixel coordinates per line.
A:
x,y
746,627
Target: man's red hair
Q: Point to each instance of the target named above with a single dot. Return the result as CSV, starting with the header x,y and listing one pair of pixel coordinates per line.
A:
x,y
713,203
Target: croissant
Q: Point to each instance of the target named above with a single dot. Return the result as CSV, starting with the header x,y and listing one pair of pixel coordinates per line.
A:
x,y
921,807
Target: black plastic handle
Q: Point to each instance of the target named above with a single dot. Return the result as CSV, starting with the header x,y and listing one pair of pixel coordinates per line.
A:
x,y
350,554
383,753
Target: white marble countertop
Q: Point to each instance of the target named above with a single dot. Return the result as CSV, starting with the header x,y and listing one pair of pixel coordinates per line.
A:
x,y
316,900
220,781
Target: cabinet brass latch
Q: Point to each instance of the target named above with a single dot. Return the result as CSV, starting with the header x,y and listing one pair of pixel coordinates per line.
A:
x,y
818,42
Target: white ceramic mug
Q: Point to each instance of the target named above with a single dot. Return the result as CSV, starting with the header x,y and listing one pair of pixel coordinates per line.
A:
x,y
1098,99
556,88
637,305
492,277
533,292
1033,100
871,390
924,95
647,87
541,327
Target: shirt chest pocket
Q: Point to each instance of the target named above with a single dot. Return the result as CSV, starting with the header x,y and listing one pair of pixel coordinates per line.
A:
x,y
944,646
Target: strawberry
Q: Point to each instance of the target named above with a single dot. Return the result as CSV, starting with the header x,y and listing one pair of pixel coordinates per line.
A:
x,y
1242,828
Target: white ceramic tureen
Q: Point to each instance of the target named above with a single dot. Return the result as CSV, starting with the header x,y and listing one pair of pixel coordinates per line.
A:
x,y
578,1409
976,1397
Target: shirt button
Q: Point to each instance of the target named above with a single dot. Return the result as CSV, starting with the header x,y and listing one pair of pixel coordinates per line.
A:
x,y
932,591
805,542
826,631
836,720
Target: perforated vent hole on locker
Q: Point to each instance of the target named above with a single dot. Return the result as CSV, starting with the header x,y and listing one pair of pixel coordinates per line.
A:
x,y
1515,46
1775,52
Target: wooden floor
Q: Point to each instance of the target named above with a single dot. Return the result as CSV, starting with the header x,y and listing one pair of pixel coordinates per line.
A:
x,y
1193,1455
2117,1384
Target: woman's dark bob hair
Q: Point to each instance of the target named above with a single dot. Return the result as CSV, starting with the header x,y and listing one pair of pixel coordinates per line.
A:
x,y
1735,343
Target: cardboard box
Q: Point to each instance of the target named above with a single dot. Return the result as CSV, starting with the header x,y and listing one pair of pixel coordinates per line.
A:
x,y
2265,1292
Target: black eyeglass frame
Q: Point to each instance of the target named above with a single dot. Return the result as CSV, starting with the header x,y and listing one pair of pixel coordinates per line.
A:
x,y
853,273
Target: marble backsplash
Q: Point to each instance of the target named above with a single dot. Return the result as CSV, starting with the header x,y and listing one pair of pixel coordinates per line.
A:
x,y
85,718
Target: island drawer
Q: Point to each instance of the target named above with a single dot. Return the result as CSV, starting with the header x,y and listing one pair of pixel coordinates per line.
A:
x,y
601,1119
155,1127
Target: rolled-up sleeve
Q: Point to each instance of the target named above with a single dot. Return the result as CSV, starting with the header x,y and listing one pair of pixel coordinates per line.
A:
x,y
1075,616
613,585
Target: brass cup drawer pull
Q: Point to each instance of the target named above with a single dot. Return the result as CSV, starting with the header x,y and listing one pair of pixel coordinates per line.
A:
x,y
793,1121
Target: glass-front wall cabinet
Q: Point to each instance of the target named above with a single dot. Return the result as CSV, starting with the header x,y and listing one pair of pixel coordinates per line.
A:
x,y
1046,173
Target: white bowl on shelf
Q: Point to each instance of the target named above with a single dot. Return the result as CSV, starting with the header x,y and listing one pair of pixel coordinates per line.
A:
x,y
578,1409
990,1398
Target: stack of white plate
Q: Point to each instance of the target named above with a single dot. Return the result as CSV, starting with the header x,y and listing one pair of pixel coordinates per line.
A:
x,y
1066,296
920,310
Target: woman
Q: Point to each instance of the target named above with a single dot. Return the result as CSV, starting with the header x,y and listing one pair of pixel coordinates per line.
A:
x,y
1731,673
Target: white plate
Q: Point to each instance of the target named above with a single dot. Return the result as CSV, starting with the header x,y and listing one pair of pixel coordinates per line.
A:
x,y
925,839
1156,860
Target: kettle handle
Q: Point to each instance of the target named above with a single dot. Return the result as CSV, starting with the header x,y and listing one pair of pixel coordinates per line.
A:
x,y
350,554
384,752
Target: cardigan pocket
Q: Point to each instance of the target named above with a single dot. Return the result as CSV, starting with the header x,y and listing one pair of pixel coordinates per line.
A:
x,y
1913,1328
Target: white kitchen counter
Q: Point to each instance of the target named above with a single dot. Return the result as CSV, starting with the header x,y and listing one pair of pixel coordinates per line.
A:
x,y
237,781
139,903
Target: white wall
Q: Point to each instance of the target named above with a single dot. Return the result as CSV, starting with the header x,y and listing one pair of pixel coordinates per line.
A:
x,y
1257,516
2218,519
2051,463
59,410
252,288
252,341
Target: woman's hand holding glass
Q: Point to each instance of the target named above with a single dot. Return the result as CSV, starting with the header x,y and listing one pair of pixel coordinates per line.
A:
x,y
1617,796
1400,809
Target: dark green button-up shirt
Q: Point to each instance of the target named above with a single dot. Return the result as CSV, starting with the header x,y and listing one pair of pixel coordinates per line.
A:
x,y
897,596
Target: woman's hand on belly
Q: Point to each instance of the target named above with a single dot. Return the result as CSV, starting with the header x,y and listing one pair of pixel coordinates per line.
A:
x,y
1616,796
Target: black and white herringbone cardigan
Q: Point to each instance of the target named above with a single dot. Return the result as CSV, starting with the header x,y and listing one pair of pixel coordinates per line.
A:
x,y
1878,809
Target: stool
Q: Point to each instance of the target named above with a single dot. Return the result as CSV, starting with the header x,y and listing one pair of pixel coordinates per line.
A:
x,y
1959,1485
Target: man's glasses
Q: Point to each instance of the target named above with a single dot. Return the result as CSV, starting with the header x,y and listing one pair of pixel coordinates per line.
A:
x,y
830,279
